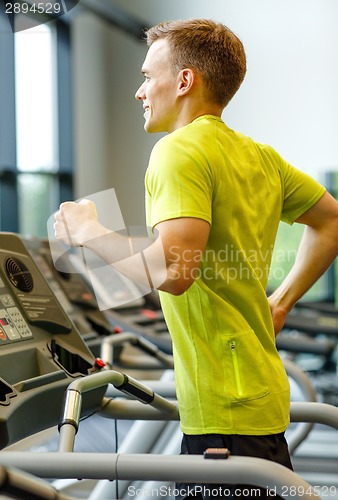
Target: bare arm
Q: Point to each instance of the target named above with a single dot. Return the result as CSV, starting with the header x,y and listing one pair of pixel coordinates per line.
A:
x,y
164,263
317,251
184,241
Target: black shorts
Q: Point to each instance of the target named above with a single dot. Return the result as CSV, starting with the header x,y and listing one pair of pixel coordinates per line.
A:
x,y
271,447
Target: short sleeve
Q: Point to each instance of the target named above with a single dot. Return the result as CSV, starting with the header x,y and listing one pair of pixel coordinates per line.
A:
x,y
301,192
178,183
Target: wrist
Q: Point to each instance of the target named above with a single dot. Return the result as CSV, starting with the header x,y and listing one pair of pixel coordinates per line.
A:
x,y
91,234
280,301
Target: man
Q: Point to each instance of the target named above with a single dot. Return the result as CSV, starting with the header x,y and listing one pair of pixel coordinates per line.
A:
x,y
215,199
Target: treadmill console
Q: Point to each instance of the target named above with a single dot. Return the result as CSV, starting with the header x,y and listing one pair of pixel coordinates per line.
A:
x,y
41,351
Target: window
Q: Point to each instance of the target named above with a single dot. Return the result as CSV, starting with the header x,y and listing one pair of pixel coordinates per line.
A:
x,y
35,127
35,99
287,242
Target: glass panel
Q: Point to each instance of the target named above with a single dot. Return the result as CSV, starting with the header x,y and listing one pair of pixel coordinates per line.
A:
x,y
40,194
287,242
35,99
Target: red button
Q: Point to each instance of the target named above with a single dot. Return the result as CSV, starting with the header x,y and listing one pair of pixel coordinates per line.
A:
x,y
3,336
149,313
99,363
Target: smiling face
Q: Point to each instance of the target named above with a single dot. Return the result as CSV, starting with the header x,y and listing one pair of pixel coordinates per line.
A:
x,y
158,92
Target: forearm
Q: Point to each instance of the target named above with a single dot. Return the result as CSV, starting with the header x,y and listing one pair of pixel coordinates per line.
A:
x,y
147,261
141,259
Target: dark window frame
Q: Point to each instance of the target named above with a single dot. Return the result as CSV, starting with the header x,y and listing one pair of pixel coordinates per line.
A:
x,y
9,210
8,170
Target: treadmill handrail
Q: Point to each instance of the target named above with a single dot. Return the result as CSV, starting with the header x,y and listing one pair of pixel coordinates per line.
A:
x,y
71,411
303,429
184,468
319,413
19,484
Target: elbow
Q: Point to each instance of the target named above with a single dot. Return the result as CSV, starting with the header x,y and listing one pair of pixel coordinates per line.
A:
x,y
173,289
331,231
177,282
178,289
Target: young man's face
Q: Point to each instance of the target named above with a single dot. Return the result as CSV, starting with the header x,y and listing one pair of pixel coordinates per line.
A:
x,y
158,91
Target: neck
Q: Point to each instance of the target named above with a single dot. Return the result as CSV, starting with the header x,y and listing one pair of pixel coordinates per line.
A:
x,y
191,109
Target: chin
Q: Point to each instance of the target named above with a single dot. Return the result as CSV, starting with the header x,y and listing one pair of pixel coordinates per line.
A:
x,y
147,126
150,128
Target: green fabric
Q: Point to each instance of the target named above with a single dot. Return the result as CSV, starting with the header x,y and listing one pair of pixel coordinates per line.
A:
x,y
229,375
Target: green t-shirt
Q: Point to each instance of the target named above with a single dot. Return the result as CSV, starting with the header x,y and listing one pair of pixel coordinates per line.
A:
x,y
229,375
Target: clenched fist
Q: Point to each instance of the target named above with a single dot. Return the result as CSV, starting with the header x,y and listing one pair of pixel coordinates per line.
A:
x,y
76,223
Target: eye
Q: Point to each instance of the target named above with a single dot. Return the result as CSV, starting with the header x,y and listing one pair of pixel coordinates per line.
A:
x,y
145,76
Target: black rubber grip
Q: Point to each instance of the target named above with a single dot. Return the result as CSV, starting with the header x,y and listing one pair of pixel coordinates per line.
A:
x,y
136,390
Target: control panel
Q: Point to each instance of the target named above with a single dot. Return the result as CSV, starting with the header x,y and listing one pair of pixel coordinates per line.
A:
x,y
41,351
74,294
13,325
21,286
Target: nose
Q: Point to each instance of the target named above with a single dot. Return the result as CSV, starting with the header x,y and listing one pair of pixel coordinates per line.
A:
x,y
140,95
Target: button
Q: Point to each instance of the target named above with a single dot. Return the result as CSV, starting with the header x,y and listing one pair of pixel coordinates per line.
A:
x,y
3,336
7,300
150,314
100,363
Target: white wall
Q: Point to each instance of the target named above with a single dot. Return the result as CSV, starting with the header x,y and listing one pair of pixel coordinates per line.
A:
x,y
289,98
111,147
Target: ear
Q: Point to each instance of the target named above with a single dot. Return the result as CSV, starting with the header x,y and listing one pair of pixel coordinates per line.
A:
x,y
187,78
